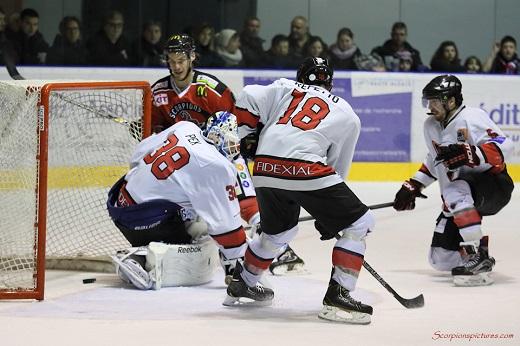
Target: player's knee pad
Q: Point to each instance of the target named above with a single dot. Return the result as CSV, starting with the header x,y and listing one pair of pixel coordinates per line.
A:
x,y
268,245
359,229
182,265
444,260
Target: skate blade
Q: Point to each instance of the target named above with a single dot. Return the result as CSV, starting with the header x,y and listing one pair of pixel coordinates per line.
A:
x,y
242,301
334,314
289,269
482,279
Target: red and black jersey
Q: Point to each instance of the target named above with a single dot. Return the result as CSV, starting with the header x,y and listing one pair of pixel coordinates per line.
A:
x,y
204,96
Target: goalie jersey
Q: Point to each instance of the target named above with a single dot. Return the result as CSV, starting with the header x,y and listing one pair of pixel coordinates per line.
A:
x,y
180,166
468,125
308,137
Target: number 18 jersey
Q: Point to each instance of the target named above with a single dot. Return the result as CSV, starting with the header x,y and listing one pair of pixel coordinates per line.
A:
x,y
308,136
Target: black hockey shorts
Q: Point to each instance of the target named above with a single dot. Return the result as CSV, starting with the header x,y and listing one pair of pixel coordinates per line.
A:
x,y
490,192
334,208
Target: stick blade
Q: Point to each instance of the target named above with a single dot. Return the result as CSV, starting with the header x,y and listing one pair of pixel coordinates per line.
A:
x,y
413,303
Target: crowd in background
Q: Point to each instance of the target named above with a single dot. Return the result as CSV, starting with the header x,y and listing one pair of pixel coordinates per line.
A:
x,y
22,41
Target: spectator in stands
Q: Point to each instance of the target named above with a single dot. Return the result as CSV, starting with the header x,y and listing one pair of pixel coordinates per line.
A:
x,y
68,48
503,58
446,58
343,52
473,65
391,50
278,55
370,62
109,47
205,50
148,49
298,37
29,42
6,46
228,47
14,25
251,44
316,47
405,62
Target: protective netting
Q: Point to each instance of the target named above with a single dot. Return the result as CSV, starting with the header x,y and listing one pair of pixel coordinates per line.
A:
x,y
92,133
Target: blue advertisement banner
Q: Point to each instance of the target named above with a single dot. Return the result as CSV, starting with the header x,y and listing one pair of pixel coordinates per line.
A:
x,y
385,121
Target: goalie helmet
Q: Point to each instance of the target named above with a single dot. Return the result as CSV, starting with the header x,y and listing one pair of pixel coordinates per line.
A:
x,y
443,87
315,71
180,43
222,130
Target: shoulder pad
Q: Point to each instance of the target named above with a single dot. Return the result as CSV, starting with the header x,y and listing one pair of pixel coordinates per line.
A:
x,y
211,81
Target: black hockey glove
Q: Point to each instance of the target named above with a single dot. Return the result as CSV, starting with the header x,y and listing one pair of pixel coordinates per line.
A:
x,y
457,155
248,146
325,233
405,197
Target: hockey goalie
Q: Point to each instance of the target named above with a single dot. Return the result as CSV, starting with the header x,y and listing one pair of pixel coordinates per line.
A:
x,y
177,205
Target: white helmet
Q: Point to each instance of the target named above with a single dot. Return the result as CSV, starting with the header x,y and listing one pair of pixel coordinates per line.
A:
x,y
222,129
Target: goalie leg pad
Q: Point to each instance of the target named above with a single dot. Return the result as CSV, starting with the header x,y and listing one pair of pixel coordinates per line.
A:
x,y
182,265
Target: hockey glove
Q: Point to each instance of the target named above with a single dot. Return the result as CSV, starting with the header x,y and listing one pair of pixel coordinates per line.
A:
x,y
325,233
248,146
457,155
405,197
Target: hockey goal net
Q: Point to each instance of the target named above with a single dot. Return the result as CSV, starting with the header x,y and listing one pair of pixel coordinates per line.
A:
x,y
62,146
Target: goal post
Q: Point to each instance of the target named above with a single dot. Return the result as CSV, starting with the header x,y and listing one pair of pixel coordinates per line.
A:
x,y
62,146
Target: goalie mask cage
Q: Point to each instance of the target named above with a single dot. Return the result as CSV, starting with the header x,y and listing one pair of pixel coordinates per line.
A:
x,y
62,146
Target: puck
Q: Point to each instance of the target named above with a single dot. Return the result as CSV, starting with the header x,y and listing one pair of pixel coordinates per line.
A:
x,y
89,281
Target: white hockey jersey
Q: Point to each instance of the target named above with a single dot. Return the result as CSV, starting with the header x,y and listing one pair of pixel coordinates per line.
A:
x,y
179,165
468,125
308,138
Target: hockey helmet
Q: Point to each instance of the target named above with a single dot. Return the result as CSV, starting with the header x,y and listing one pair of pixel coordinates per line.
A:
x,y
222,130
180,43
315,71
443,87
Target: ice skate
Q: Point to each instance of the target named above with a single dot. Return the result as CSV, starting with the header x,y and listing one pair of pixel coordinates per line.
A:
x,y
287,263
239,293
339,306
476,271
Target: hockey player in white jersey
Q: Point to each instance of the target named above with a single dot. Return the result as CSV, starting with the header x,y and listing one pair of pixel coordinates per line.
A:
x,y
467,154
304,153
177,176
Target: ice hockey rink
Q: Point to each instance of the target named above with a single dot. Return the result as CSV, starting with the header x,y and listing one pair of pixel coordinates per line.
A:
x,y
105,313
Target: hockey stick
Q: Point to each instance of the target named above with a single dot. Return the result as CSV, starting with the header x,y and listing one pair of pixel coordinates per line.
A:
x,y
411,303
372,207
14,74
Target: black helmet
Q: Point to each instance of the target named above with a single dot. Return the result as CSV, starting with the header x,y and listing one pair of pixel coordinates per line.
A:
x,y
180,43
442,88
315,71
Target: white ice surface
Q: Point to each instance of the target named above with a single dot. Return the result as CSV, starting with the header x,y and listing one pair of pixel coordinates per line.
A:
x,y
104,313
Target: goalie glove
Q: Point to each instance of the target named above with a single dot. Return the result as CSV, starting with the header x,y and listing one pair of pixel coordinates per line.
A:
x,y
405,197
454,156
